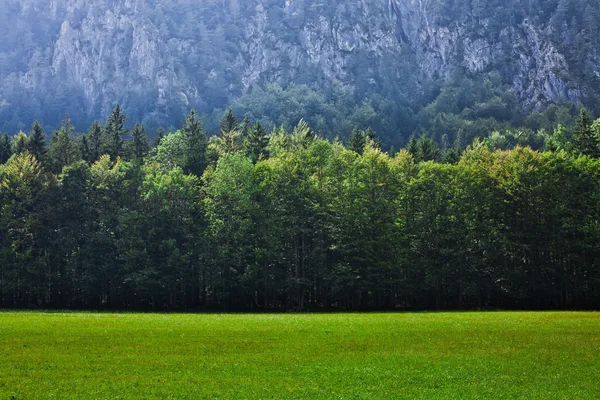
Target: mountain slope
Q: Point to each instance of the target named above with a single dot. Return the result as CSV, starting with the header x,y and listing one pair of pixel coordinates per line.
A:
x,y
159,58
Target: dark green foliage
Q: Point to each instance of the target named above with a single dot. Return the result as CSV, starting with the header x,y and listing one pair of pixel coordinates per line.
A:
x,y
197,143
413,148
256,142
114,131
138,146
5,148
93,143
245,127
160,133
229,122
585,140
452,156
63,149
36,142
358,141
428,150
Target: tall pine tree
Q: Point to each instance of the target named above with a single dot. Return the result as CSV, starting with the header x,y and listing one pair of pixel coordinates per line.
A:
x,y
584,139
114,132
257,142
358,140
197,143
94,142
36,142
63,150
5,148
139,146
229,122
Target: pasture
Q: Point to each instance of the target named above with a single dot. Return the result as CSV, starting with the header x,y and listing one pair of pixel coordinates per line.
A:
x,y
321,356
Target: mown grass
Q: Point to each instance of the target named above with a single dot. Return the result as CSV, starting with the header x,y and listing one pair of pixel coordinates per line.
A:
x,y
335,356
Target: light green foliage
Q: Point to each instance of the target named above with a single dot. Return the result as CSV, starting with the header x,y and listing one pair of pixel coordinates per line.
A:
x,y
279,142
558,140
230,210
172,150
19,143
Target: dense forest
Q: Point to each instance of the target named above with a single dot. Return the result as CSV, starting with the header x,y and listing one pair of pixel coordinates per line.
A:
x,y
255,219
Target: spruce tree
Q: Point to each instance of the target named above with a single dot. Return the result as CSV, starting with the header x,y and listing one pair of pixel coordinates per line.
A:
x,y
303,134
246,127
139,143
84,148
94,142
452,156
5,148
36,142
160,134
257,142
63,150
229,123
428,150
413,149
19,143
372,137
197,143
584,140
358,140
114,131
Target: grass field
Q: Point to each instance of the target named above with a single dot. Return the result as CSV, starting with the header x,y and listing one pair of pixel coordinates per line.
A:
x,y
352,356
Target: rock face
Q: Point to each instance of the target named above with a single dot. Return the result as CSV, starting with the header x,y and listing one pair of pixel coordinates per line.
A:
x,y
165,56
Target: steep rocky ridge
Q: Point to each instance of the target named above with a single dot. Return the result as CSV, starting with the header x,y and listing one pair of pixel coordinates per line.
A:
x,y
160,58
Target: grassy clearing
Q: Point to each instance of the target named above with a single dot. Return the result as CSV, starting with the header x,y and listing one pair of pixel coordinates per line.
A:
x,y
352,356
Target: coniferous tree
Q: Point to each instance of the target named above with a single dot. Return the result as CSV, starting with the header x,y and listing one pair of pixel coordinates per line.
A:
x,y
36,142
413,149
428,150
452,156
245,127
257,142
358,140
139,146
303,134
63,150
197,142
160,134
19,143
5,148
94,142
229,123
584,140
372,137
84,148
114,131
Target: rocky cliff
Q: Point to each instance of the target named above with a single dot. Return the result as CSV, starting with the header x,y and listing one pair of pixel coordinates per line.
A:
x,y
161,57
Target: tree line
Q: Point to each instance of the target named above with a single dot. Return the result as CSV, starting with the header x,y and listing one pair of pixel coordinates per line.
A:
x,y
275,221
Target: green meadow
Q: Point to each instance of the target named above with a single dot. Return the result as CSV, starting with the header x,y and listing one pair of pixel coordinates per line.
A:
x,y
324,356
